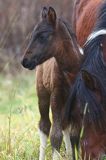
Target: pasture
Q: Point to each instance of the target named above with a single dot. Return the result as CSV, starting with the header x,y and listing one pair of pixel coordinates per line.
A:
x,y
19,118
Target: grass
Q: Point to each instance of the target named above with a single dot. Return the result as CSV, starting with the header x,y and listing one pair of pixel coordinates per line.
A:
x,y
18,92
19,118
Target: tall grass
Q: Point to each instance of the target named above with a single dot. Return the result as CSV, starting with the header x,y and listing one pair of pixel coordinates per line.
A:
x,y
19,118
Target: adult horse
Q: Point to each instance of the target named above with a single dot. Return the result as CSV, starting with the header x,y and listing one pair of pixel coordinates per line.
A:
x,y
87,99
84,18
53,38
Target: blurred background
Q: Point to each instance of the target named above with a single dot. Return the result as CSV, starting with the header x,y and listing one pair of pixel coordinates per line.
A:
x,y
19,115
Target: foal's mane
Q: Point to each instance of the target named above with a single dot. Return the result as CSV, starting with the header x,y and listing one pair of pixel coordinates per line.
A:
x,y
96,66
71,33
68,27
72,37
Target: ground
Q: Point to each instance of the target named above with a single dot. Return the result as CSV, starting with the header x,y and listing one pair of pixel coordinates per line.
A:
x,y
19,117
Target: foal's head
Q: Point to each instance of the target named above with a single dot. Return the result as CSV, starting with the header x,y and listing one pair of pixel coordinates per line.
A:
x,y
50,36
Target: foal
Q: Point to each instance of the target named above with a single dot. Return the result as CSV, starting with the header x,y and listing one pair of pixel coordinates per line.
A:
x,y
90,89
53,38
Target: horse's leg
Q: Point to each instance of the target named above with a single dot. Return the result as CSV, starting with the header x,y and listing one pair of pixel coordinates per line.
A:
x,y
56,131
44,124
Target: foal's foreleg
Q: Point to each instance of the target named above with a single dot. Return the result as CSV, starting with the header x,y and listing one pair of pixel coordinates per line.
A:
x,y
56,138
44,124
56,131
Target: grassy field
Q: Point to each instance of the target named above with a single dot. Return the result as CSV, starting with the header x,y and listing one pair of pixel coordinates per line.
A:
x,y
19,118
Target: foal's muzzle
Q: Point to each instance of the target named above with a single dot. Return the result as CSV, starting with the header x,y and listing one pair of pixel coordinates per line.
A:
x,y
28,64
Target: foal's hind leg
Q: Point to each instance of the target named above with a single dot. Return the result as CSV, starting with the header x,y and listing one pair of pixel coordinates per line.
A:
x,y
44,124
56,131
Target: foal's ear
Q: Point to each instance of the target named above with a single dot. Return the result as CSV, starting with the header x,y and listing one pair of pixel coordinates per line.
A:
x,y
44,13
52,16
89,80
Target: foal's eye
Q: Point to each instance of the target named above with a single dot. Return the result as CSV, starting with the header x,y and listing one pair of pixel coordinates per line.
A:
x,y
43,37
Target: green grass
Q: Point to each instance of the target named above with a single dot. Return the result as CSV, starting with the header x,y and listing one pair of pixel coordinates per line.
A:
x,y
19,117
18,92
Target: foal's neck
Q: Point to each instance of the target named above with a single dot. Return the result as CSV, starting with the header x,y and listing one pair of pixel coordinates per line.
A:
x,y
69,59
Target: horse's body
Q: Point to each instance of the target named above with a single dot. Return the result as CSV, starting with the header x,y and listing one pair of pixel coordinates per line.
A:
x,y
90,88
85,14
53,82
92,92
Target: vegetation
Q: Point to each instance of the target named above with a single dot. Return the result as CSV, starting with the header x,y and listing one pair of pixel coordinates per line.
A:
x,y
19,118
18,123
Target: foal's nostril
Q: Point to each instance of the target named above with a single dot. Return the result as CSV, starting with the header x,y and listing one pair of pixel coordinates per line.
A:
x,y
29,52
25,62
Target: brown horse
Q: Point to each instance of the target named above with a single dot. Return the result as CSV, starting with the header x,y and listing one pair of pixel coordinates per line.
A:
x,y
85,15
90,89
53,38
